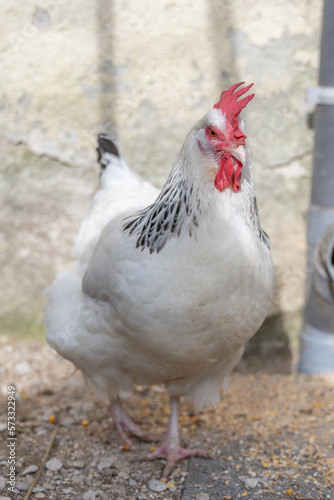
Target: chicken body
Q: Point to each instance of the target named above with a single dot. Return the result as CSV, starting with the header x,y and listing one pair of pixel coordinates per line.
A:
x,y
174,286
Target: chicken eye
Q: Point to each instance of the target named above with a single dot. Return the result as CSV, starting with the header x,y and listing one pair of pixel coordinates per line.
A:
x,y
212,133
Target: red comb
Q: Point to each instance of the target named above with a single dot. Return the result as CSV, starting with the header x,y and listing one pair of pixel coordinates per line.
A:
x,y
228,100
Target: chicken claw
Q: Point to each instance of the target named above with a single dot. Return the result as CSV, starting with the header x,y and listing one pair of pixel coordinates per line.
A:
x,y
124,423
169,447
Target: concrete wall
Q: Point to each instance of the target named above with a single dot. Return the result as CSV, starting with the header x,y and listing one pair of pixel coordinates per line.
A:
x,y
147,71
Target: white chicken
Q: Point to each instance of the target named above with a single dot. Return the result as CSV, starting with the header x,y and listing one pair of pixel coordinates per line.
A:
x,y
169,286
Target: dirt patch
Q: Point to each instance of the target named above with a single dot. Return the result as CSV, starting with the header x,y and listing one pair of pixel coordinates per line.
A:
x,y
271,436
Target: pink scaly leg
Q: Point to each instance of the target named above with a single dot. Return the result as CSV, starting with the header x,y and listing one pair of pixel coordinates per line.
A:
x,y
169,447
124,423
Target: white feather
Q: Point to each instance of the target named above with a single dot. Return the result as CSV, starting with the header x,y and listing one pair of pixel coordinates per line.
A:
x,y
120,190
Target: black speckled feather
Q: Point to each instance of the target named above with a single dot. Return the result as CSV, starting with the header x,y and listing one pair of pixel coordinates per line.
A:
x,y
176,209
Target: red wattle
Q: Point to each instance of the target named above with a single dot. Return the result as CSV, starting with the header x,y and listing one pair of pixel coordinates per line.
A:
x,y
221,180
226,174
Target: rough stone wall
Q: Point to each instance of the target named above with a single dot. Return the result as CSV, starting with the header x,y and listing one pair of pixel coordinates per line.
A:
x,y
146,71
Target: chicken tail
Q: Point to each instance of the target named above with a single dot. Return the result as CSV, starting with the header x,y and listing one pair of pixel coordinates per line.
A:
x,y
106,150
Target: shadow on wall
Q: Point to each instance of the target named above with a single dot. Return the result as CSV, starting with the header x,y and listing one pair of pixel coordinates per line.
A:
x,y
221,19
106,69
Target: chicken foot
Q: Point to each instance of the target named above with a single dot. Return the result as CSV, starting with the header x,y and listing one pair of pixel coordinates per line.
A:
x,y
125,424
169,447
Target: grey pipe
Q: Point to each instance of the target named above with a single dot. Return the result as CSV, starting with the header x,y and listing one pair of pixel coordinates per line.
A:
x,y
317,333
323,162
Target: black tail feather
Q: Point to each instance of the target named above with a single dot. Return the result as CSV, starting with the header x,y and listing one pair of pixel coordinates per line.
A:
x,y
105,145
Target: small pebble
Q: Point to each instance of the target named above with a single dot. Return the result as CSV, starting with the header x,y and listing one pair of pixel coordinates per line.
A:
x,y
40,431
48,486
5,498
156,485
105,463
29,479
202,496
54,464
22,485
89,495
67,491
3,427
40,495
133,482
29,470
79,464
251,482
2,482
38,489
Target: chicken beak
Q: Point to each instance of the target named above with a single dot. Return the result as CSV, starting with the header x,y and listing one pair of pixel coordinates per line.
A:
x,y
240,154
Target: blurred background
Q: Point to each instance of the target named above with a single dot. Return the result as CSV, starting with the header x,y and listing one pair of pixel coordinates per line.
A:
x,y
146,71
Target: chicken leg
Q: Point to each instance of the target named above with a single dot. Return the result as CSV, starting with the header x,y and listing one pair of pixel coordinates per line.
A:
x,y
124,423
169,447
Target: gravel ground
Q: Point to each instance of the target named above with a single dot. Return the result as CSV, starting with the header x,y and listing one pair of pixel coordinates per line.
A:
x,y
270,437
